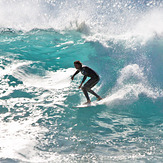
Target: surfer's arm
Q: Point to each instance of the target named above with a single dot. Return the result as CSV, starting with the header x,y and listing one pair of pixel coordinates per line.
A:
x,y
84,78
72,77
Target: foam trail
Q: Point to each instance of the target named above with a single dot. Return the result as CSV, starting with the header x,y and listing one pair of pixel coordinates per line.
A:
x,y
131,83
52,80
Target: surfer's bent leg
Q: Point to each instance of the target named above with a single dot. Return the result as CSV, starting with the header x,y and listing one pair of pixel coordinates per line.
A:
x,y
93,93
87,88
85,91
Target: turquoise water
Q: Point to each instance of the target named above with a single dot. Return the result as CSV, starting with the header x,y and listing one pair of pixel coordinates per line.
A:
x,y
122,41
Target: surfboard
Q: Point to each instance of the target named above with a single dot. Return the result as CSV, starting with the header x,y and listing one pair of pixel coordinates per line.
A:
x,y
83,106
94,103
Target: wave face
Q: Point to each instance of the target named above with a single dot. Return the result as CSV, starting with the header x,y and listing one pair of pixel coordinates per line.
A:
x,y
121,40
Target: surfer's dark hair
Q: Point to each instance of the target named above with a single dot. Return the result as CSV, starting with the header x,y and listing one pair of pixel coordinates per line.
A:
x,y
78,62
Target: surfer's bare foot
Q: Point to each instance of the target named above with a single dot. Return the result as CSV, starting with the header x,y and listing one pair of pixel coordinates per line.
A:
x,y
88,102
99,99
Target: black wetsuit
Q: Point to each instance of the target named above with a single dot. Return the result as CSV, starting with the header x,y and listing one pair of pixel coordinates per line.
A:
x,y
94,79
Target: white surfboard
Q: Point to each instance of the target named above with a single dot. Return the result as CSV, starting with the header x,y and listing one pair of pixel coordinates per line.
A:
x,y
83,106
94,103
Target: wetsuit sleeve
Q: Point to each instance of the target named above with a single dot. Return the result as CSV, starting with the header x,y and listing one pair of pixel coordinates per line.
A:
x,y
84,78
76,73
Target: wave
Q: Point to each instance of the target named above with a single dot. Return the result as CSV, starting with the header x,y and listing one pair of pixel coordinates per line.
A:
x,y
126,73
131,84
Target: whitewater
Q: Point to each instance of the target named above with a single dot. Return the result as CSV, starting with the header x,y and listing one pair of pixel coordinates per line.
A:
x,y
121,40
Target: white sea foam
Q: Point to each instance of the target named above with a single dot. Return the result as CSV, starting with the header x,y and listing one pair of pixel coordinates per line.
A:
x,y
18,138
52,80
131,83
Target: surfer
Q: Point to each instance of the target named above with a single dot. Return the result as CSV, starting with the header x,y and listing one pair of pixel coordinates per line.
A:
x,y
94,79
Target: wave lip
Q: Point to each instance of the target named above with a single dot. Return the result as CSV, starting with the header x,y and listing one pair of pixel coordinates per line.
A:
x,y
131,83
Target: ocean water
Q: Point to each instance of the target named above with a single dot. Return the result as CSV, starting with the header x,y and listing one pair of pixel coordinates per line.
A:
x,y
121,40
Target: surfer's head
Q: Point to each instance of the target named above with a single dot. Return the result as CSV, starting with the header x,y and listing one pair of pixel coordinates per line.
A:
x,y
77,64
